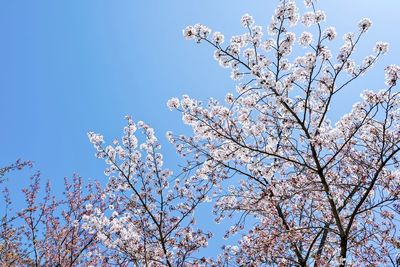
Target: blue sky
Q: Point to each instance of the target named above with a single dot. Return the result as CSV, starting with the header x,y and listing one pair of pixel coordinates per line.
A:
x,y
69,67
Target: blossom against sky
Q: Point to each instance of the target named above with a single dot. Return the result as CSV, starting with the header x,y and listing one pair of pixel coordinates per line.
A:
x,y
71,67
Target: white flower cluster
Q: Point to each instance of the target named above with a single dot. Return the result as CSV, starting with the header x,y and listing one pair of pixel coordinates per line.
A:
x,y
313,17
197,32
173,103
381,48
247,20
305,39
218,38
330,33
392,74
286,10
364,24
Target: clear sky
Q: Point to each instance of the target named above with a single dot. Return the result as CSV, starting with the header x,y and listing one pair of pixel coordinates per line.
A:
x,y
69,67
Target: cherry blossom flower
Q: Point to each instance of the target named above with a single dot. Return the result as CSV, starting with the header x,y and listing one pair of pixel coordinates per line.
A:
x,y
392,74
247,20
305,39
381,47
364,24
330,33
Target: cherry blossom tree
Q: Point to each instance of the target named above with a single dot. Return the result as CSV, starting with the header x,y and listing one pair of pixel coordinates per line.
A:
x,y
48,231
321,192
150,217
302,187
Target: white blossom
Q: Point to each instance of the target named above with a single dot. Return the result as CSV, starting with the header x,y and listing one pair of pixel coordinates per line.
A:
x,y
305,39
364,24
